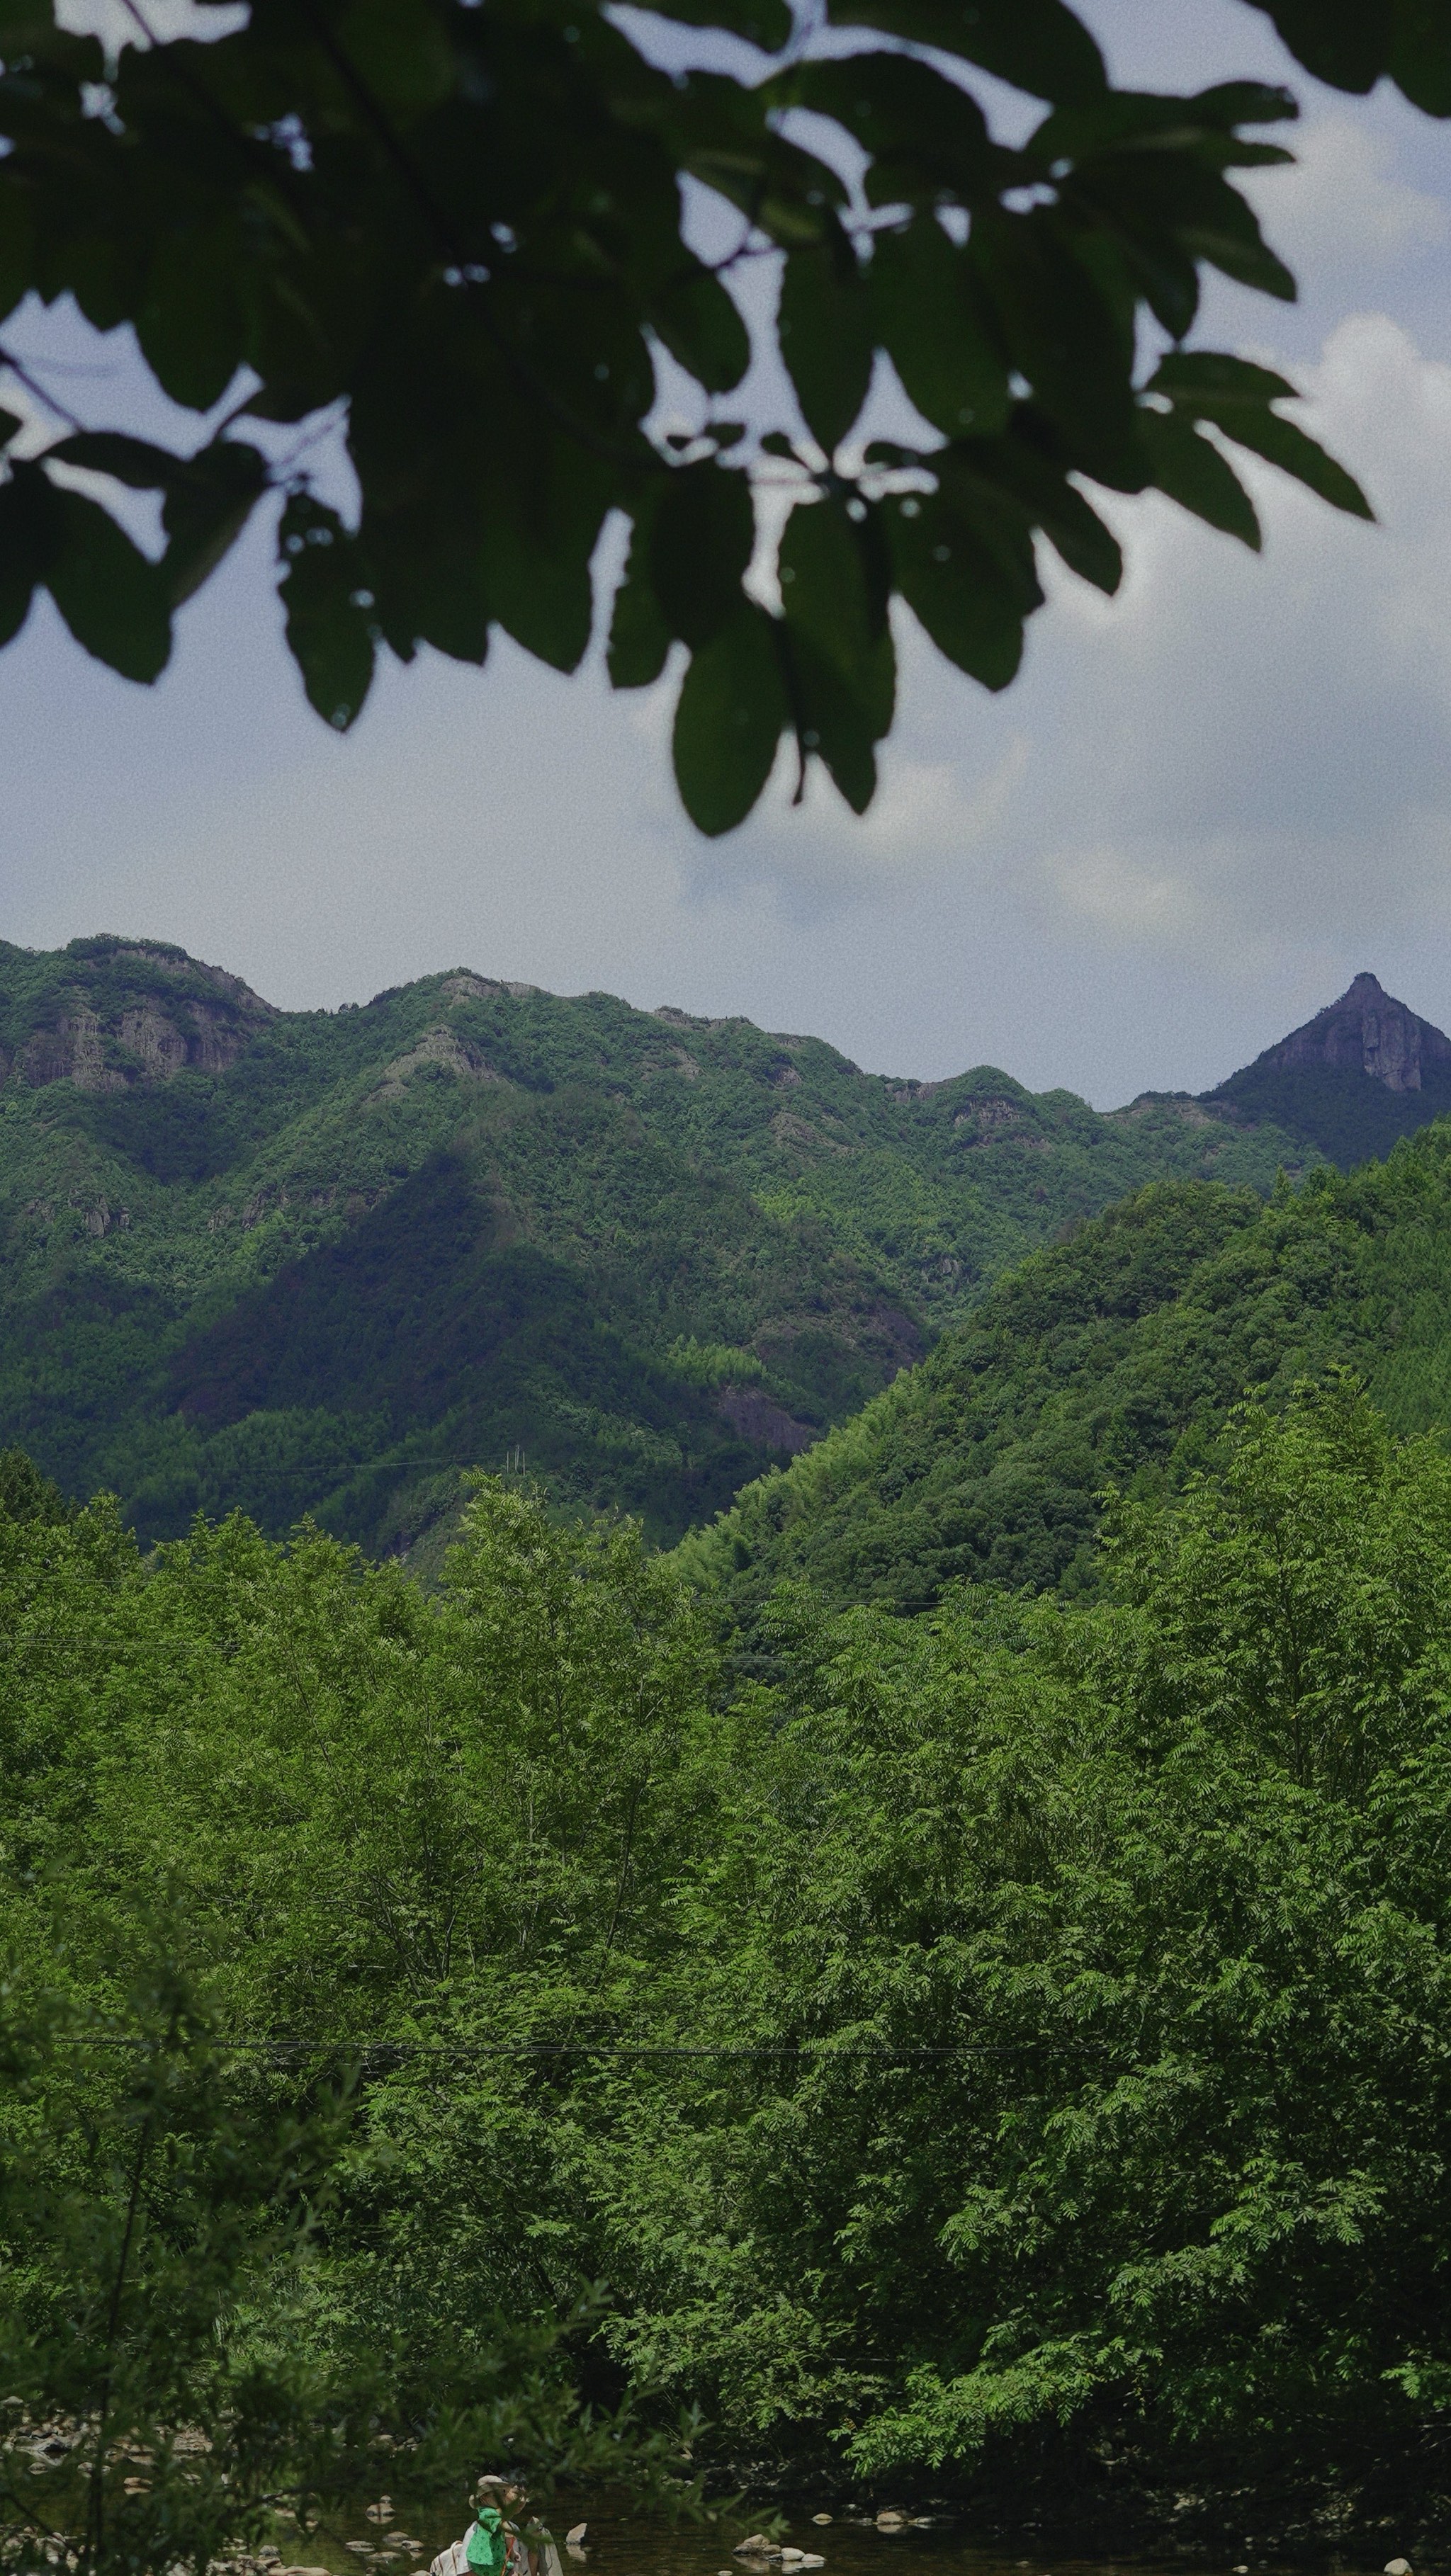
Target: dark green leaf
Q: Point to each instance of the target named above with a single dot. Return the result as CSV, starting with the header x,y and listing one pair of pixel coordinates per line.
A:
x,y
1123,119
1286,445
1066,339
975,475
328,627
702,328
954,587
844,668
839,722
30,533
980,481
1344,42
827,594
702,536
94,263
1215,223
132,461
28,24
1420,62
890,451
11,425
539,533
209,496
111,598
639,634
729,720
425,567
1038,45
904,114
1236,397
1190,376
1171,211
1193,473
191,324
17,245
205,511
722,137
400,49
929,310
824,324
1239,102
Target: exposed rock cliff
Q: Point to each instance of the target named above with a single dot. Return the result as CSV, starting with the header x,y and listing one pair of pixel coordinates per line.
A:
x,y
1371,1031
1360,1075
110,1014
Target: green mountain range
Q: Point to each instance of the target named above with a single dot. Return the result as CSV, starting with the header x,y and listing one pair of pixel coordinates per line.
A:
x,y
325,1261
1111,1361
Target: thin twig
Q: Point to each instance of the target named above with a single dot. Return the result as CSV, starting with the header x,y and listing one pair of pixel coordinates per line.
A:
x,y
32,386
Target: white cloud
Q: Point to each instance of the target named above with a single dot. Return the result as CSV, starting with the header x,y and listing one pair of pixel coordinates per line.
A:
x,y
1341,206
1236,776
1237,748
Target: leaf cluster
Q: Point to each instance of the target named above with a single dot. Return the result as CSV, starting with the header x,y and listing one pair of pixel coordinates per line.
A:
x,y
456,238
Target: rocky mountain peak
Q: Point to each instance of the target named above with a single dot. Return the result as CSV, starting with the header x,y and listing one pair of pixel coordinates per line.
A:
x,y
108,1014
1366,1029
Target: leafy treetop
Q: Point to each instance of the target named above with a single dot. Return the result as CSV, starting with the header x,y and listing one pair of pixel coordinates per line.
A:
x,y
457,235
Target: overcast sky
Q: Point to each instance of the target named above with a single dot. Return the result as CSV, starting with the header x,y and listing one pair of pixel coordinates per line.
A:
x,y
1202,808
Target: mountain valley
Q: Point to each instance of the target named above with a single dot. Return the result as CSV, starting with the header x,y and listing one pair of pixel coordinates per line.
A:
x,y
327,1261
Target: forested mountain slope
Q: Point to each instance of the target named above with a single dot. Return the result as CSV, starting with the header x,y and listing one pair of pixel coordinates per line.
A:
x,y
1114,1358
321,1261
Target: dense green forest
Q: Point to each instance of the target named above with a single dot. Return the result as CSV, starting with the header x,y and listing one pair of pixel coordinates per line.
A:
x,y
576,2004
1111,1359
323,1261
1085,1961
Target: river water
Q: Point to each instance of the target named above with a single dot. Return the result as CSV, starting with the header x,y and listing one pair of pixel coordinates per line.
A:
x,y
848,2547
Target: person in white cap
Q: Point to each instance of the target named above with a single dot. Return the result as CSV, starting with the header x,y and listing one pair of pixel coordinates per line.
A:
x,y
494,2544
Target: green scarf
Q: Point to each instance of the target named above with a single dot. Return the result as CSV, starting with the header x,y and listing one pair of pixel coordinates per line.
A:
x,y
484,2547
